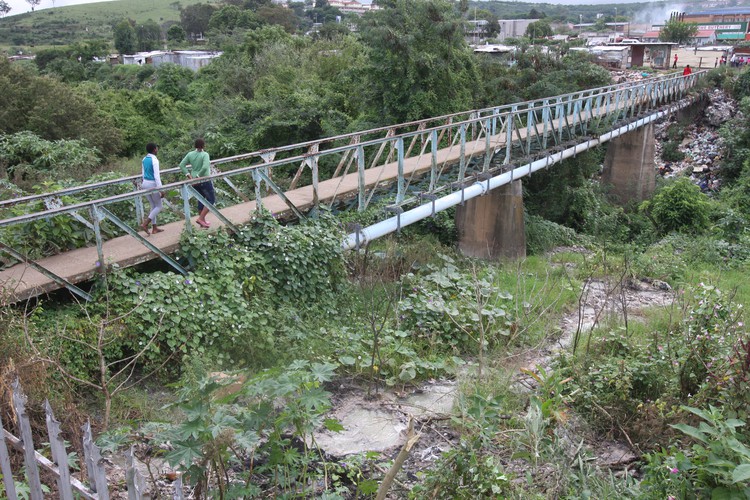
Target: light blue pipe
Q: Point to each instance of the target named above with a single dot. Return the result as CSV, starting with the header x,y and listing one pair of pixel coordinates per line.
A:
x,y
479,188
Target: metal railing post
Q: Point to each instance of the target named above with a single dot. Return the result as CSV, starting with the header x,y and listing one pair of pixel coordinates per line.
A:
x,y
401,182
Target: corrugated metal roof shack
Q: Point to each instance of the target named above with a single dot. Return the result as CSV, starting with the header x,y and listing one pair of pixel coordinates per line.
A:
x,y
192,59
656,54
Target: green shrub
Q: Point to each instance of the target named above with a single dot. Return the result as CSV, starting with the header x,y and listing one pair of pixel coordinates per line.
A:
x,y
716,466
543,235
448,308
465,473
637,382
255,426
27,159
670,152
741,86
680,206
237,297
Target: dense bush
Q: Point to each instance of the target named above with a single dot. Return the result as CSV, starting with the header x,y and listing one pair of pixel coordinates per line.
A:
x,y
231,305
680,206
52,110
670,152
638,382
543,235
454,311
26,159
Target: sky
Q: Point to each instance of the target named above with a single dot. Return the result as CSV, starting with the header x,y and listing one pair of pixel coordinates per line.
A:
x,y
20,6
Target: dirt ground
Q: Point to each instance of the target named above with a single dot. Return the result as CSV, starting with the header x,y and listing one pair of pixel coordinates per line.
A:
x,y
697,59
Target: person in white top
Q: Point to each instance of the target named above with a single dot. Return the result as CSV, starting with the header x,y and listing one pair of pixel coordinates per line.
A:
x,y
152,179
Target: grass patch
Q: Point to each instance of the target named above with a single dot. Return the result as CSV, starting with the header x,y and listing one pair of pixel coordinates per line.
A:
x,y
79,23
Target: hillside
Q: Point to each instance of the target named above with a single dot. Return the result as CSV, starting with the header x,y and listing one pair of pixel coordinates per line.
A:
x,y
78,23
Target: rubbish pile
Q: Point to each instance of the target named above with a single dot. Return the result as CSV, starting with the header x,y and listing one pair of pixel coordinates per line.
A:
x,y
630,76
700,147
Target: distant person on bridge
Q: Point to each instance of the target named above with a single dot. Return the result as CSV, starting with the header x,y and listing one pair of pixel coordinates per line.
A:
x,y
687,70
152,179
674,64
201,167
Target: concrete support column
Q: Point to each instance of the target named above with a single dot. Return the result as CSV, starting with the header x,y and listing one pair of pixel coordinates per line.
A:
x,y
491,226
629,168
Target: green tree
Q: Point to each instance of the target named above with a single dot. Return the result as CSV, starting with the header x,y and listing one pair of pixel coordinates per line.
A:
x,y
420,65
33,3
600,26
231,17
176,34
142,116
332,31
538,29
125,39
4,8
46,56
536,14
88,50
680,206
195,18
492,27
678,32
276,14
174,80
325,14
148,34
256,4
52,110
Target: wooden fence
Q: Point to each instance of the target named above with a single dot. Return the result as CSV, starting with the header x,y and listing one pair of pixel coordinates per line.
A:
x,y
68,487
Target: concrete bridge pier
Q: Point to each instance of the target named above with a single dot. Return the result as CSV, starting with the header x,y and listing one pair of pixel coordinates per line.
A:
x,y
491,226
629,168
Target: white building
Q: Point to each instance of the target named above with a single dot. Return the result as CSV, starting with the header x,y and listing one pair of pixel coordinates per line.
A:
x,y
192,59
513,28
352,6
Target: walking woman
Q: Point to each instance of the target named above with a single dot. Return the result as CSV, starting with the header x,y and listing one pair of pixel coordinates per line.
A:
x,y
152,179
200,163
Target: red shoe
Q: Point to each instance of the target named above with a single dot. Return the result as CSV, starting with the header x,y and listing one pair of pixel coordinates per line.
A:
x,y
203,223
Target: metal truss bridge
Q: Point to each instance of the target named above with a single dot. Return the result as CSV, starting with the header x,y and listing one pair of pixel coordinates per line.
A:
x,y
411,169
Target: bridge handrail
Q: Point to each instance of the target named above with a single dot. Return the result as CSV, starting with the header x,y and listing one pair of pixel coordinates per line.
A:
x,y
495,110
285,161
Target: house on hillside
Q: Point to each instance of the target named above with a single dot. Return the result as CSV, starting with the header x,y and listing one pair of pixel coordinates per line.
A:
x,y
352,6
192,59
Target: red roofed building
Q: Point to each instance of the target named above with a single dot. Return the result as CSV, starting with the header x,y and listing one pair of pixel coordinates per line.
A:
x,y
704,37
651,36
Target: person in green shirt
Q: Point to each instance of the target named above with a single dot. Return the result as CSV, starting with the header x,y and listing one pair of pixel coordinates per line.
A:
x,y
201,167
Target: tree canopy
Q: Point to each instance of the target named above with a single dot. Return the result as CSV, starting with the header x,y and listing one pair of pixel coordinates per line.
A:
x,y
538,29
678,31
195,18
419,63
126,41
148,35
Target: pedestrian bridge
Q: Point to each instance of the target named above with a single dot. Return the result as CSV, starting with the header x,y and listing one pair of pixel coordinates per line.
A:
x,y
411,169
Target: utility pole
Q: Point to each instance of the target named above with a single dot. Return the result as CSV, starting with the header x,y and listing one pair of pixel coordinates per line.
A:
x,y
476,28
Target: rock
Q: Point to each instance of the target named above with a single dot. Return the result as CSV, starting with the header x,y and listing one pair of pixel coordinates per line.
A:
x,y
614,455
